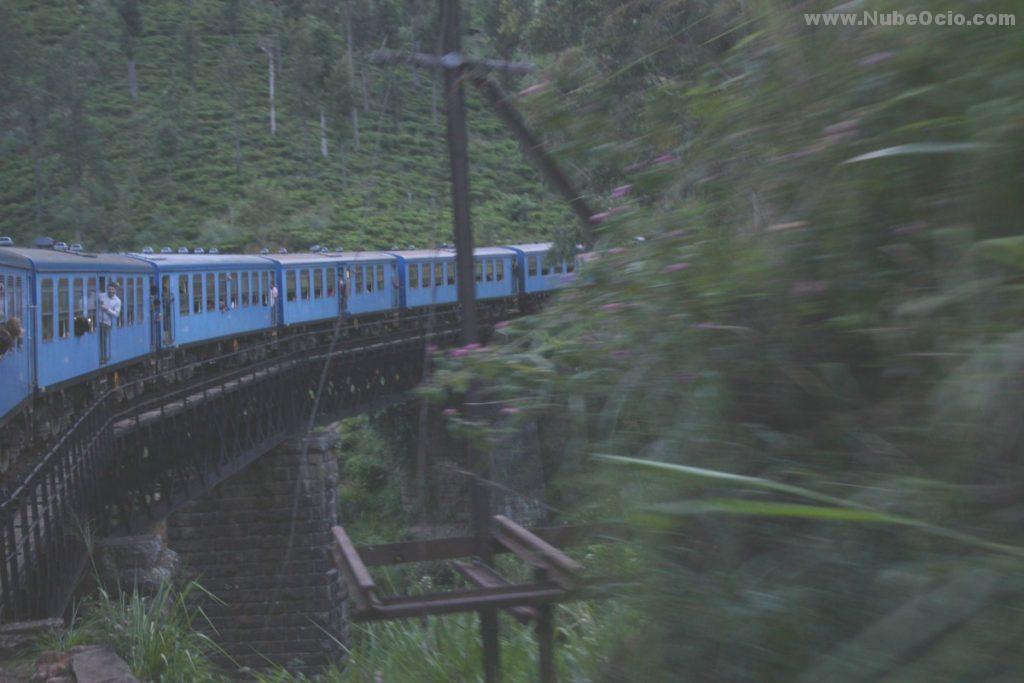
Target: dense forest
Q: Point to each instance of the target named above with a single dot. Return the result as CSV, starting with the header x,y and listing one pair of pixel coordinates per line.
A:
x,y
247,123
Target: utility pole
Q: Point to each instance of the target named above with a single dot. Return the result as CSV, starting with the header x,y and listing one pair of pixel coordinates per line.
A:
x,y
451,60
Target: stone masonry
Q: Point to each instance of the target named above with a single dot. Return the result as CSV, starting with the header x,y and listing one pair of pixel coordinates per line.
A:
x,y
260,542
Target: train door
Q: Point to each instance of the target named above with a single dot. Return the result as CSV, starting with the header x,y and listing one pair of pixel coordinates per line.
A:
x,y
166,317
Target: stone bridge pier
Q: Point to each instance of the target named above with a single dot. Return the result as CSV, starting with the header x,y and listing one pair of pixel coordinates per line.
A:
x,y
260,542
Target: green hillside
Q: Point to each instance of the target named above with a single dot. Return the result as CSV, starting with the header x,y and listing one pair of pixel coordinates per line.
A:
x,y
192,160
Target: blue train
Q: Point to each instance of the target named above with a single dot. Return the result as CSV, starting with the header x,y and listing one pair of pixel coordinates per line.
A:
x,y
51,300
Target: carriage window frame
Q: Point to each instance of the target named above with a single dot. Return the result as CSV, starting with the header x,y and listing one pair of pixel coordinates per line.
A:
x,y
425,276
90,300
414,276
120,294
545,267
380,276
291,285
210,293
222,292
318,283
332,277
233,296
128,303
490,270
46,308
304,288
6,292
449,273
243,293
197,293
140,299
77,298
369,278
499,273
438,274
359,279
63,308
184,307
478,271
570,266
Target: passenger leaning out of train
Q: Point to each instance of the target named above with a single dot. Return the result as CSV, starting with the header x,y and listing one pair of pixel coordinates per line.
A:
x,y
110,310
273,303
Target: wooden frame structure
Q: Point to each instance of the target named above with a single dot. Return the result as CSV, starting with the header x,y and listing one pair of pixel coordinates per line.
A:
x,y
557,578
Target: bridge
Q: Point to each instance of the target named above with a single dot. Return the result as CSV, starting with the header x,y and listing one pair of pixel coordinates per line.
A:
x,y
125,465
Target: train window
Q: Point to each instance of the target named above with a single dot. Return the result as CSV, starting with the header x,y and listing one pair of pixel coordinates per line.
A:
x,y
304,284
545,268
128,305
140,299
63,311
450,272
318,283
570,265
46,307
255,292
490,270
359,279
501,270
210,292
90,300
197,294
438,274
290,288
120,295
233,301
222,291
78,299
6,291
264,287
183,295
426,275
478,267
332,277
380,277
532,262
243,297
414,276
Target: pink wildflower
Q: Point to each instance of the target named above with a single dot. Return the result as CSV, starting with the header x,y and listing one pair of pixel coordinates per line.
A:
x,y
472,347
598,217
621,191
612,307
675,267
666,158
619,209
432,349
449,412
502,325
457,353
617,250
509,410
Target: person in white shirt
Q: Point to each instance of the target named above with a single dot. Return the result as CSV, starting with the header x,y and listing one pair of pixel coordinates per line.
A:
x,y
110,310
273,303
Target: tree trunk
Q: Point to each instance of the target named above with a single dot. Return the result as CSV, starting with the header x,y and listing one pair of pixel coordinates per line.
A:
x,y
133,81
270,76
351,72
323,134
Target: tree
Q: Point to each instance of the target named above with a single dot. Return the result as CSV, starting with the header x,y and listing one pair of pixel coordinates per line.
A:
x,y
131,18
323,80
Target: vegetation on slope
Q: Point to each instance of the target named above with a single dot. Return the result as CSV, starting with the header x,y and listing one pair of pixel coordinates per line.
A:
x,y
186,155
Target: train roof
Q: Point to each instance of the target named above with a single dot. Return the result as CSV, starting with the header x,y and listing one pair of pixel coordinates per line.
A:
x,y
533,247
53,261
423,254
330,257
203,261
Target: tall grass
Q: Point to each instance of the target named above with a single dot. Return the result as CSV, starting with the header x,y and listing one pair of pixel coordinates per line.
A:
x,y
158,636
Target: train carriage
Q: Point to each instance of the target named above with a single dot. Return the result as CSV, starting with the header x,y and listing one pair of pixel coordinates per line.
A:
x,y
16,359
311,284
203,297
64,289
538,271
428,276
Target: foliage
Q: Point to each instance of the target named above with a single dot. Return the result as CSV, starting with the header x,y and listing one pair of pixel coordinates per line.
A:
x,y
192,160
157,635
825,302
370,500
444,649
